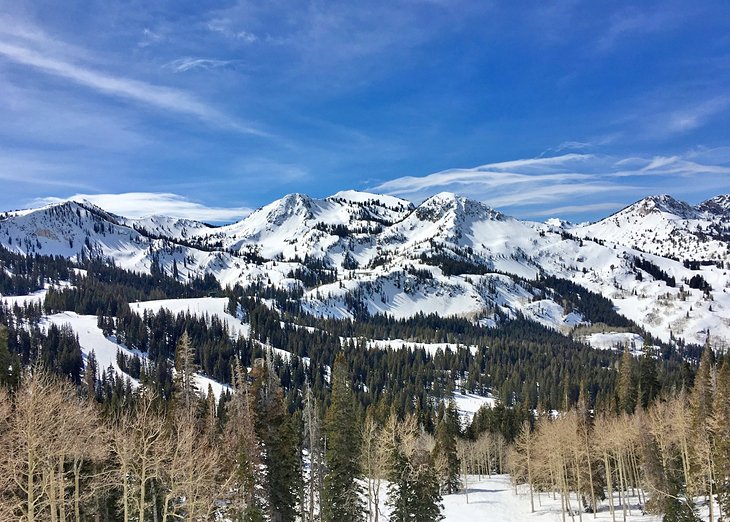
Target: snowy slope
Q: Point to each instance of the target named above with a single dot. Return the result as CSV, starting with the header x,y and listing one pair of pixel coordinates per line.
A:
x,y
449,255
664,226
196,307
91,338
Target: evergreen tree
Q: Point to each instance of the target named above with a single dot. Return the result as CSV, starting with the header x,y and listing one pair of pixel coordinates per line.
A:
x,y
341,497
245,451
90,374
413,489
9,363
679,510
185,367
626,384
445,454
276,429
648,381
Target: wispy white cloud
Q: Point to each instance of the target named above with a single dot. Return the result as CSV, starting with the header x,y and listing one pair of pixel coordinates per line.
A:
x,y
635,22
517,174
189,63
149,37
672,113
36,50
568,183
24,168
691,118
144,204
223,26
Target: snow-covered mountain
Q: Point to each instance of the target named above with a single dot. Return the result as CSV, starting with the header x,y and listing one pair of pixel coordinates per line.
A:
x,y
355,252
664,226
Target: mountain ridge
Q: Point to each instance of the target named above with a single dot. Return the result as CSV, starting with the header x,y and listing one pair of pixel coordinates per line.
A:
x,y
356,252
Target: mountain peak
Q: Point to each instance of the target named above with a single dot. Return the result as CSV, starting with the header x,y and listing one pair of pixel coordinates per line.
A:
x,y
369,198
662,203
717,205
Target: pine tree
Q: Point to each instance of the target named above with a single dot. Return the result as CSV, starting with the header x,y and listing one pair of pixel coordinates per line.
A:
x,y
276,429
648,381
413,489
245,451
626,384
9,363
90,371
185,367
445,454
341,497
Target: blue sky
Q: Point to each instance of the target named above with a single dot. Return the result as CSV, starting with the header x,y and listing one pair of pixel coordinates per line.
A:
x,y
208,109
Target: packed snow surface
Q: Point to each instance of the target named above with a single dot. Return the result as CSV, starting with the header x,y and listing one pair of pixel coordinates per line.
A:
x,y
196,307
615,341
469,403
494,499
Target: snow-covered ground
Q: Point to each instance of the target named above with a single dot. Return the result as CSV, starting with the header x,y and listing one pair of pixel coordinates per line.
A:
x,y
469,403
494,500
197,307
615,341
400,344
21,300
91,338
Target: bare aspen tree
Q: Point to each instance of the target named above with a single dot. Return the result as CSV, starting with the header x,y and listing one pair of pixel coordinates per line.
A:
x,y
33,438
523,458
140,451
313,444
465,452
374,455
189,473
6,480
604,446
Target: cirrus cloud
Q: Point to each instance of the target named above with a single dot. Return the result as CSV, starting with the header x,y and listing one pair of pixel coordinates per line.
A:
x,y
569,184
145,204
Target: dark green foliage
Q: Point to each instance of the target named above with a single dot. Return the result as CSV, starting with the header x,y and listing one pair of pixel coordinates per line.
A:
x,y
277,431
594,307
445,454
451,266
654,271
499,419
9,363
698,282
341,500
413,489
649,386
